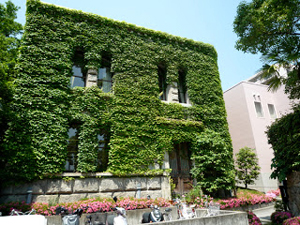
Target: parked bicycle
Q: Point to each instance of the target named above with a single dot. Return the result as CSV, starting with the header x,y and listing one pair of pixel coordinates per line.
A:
x,y
185,211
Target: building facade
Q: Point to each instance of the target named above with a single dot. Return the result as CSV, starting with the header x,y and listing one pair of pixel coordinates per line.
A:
x,y
251,108
97,95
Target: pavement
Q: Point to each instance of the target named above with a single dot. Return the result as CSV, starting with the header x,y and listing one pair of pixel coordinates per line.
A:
x,y
264,214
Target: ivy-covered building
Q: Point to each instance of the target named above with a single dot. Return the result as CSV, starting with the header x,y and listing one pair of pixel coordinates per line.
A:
x,y
96,95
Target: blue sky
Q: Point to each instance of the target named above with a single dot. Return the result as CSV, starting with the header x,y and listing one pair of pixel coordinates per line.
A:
x,y
208,21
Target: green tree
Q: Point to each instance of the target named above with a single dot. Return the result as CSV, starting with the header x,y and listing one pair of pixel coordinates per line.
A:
x,y
9,43
213,169
247,166
271,27
286,147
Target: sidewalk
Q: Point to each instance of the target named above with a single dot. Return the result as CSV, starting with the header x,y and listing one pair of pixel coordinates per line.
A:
x,y
264,214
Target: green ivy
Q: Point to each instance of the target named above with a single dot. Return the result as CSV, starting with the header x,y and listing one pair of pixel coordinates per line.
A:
x,y
141,127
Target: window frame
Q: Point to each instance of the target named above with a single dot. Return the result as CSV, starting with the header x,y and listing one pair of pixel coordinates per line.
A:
x,y
275,113
262,111
105,64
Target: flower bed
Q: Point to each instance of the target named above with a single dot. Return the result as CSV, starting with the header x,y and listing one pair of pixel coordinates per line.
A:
x,y
239,202
279,217
94,205
292,221
105,205
253,219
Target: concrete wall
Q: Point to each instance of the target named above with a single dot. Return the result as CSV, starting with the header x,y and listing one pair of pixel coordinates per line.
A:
x,y
74,188
134,217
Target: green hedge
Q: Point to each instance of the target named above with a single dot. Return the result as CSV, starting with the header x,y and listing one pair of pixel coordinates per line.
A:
x,y
141,127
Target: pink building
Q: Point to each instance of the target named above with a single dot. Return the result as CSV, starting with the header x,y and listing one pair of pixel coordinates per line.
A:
x,y
250,109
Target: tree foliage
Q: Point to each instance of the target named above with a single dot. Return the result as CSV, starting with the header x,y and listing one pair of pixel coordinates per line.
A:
x,y
284,136
211,154
9,29
247,166
271,27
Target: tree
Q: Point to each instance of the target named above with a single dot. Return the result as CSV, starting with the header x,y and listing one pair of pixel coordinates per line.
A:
x,y
9,43
213,169
247,166
271,27
9,29
286,147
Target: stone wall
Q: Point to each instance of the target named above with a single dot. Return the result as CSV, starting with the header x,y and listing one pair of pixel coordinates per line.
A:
x,y
293,188
73,187
134,217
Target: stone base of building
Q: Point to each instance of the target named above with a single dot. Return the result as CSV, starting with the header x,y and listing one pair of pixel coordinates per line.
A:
x,y
73,187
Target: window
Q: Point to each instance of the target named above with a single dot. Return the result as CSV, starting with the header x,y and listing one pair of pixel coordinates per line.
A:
x,y
182,87
105,77
102,152
72,150
272,111
259,110
78,78
162,75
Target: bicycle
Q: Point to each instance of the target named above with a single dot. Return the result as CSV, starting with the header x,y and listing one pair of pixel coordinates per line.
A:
x,y
19,213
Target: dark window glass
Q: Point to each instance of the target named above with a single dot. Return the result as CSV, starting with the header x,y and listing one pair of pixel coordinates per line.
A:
x,y
162,75
182,87
102,152
72,149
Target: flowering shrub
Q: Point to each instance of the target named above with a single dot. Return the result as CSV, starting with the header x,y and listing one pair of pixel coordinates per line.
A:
x,y
253,219
19,206
279,217
273,193
292,221
243,201
103,205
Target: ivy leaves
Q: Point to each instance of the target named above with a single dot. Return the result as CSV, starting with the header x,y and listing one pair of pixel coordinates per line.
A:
x,y
140,126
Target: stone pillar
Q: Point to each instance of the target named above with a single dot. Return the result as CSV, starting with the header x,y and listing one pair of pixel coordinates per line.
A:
x,y
91,78
165,187
172,93
293,189
166,163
